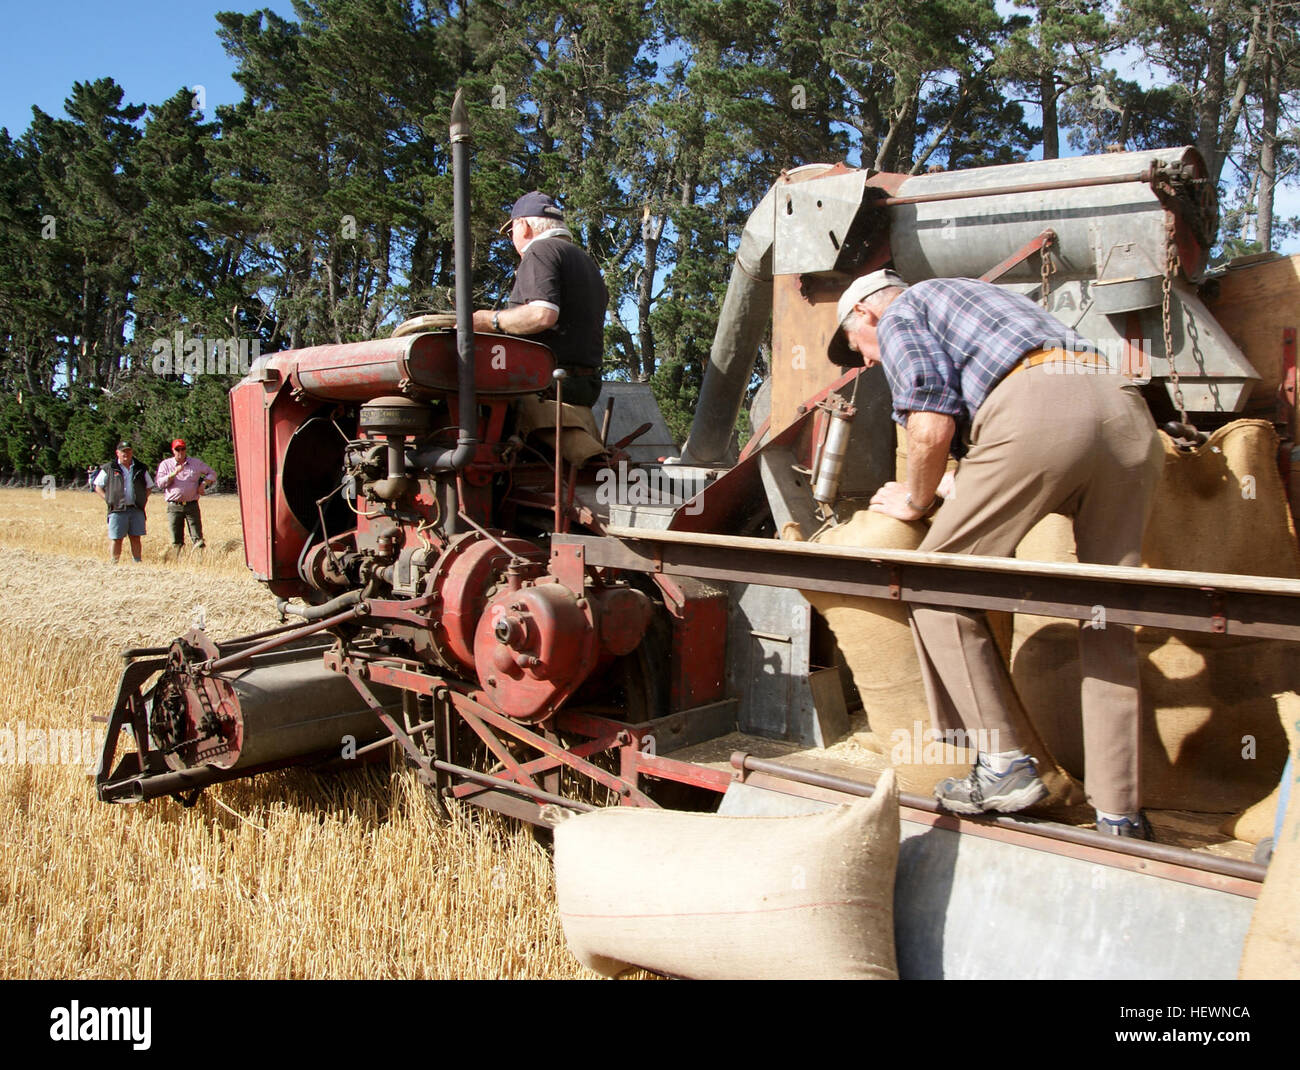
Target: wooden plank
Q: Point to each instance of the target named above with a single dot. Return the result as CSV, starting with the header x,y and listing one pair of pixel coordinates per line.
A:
x,y
801,331
1255,303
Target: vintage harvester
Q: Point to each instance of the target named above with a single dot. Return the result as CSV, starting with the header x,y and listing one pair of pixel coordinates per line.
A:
x,y
474,584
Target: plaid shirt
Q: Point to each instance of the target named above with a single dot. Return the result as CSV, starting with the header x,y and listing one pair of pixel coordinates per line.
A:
x,y
946,343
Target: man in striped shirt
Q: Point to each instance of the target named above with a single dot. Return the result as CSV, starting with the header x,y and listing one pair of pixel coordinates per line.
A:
x,y
1042,426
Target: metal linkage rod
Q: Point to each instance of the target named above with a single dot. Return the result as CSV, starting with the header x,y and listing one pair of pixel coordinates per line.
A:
x,y
1147,176
285,637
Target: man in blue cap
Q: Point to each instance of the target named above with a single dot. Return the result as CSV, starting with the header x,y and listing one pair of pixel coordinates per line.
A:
x,y
559,297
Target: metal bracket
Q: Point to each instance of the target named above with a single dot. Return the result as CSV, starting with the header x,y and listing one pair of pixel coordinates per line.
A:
x,y
895,583
1218,618
1037,245
569,566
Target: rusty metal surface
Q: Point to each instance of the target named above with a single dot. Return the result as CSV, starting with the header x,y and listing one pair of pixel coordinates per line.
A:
x,y
1262,607
418,364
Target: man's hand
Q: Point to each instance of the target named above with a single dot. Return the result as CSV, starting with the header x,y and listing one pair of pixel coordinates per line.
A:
x,y
483,319
929,435
891,499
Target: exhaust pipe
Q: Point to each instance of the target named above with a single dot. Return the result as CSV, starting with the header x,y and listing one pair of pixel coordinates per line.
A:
x,y
467,443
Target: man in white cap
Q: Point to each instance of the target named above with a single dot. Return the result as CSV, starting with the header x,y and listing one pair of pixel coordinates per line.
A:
x,y
124,485
1041,426
559,297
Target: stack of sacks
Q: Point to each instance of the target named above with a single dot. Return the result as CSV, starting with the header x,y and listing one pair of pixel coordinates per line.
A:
x,y
876,640
1211,734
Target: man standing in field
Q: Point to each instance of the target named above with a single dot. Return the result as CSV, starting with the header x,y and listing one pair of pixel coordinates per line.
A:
x,y
183,481
124,485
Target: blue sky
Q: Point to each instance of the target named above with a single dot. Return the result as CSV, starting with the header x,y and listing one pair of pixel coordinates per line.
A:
x,y
149,47
154,47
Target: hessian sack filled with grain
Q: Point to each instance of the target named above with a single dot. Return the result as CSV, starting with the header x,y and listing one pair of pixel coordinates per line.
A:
x,y
1257,822
730,898
876,640
1212,739
1272,948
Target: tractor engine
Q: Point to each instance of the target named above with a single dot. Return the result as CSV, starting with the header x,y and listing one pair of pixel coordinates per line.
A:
x,y
392,521
354,502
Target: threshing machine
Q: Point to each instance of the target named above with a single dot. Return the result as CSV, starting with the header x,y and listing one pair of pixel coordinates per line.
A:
x,y
531,630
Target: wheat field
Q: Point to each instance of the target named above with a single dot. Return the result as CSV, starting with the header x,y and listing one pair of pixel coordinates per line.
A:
x,y
289,875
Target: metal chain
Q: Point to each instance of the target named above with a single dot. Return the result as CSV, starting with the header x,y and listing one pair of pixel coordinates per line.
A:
x,y
1166,288
1046,269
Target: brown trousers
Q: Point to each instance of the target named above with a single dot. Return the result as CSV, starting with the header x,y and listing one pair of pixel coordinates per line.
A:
x,y
1051,439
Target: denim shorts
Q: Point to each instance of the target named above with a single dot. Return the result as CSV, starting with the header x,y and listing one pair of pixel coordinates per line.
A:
x,y
127,522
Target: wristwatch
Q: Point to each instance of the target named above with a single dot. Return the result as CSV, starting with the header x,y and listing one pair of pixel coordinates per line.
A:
x,y
496,322
935,502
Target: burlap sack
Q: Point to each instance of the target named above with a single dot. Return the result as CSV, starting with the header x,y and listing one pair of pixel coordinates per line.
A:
x,y
1223,508
1211,737
876,640
723,898
1257,822
1272,950
581,437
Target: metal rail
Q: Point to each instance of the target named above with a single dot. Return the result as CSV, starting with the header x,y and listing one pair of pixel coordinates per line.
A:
x,y
1148,176
1154,852
1255,606
511,787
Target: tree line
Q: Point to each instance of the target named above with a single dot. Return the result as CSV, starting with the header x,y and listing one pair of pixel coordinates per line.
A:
x,y
140,242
